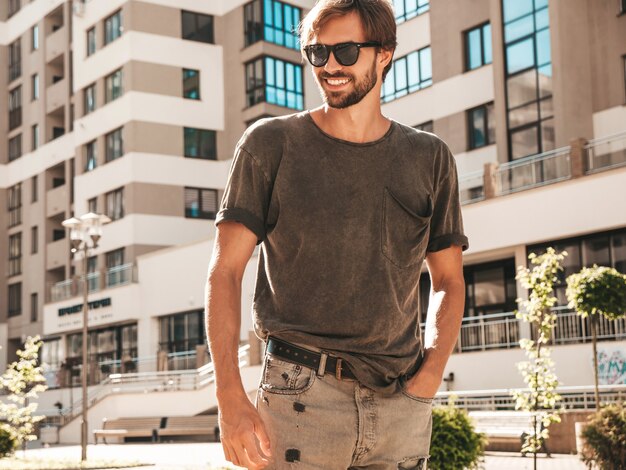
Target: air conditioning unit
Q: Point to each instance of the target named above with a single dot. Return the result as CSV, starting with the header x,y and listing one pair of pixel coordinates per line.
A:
x,y
79,8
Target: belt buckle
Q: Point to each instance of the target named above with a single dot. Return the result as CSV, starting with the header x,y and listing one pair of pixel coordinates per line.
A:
x,y
338,369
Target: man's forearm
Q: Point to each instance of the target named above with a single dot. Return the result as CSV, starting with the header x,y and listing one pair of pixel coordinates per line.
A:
x,y
223,330
445,313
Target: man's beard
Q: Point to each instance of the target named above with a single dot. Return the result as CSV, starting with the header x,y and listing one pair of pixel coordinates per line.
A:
x,y
341,99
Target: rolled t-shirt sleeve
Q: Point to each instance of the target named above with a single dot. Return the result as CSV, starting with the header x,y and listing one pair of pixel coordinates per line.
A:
x,y
247,194
446,225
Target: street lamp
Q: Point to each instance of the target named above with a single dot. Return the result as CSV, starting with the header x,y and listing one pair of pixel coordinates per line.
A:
x,y
82,229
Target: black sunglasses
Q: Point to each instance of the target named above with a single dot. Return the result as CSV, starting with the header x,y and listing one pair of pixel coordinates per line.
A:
x,y
346,53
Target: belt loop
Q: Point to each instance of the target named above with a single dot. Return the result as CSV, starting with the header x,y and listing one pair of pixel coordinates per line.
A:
x,y
322,367
338,369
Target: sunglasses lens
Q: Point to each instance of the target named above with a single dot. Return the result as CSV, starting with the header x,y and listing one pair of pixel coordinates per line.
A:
x,y
347,54
317,54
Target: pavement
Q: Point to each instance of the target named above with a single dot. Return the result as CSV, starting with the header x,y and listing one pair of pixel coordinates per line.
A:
x,y
209,456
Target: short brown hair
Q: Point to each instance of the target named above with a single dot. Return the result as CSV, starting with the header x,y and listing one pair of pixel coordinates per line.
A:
x,y
376,16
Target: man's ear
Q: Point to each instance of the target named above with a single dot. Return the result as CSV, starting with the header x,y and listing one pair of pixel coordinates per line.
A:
x,y
385,56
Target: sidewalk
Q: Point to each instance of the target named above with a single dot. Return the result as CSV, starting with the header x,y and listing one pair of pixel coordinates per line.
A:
x,y
206,456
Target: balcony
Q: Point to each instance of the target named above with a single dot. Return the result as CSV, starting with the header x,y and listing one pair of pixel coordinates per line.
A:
x,y
57,200
97,281
56,43
56,95
57,253
579,159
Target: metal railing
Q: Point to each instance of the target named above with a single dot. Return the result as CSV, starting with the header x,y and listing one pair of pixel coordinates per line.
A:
x,y
534,171
574,398
148,382
472,187
115,276
572,328
495,331
606,153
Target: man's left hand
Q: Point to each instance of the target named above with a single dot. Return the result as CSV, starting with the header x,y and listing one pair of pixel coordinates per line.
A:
x,y
424,384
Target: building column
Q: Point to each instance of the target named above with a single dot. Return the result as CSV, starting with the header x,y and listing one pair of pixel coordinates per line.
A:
x,y
489,180
577,156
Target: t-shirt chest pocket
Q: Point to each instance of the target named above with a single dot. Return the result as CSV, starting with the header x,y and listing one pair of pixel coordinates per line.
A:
x,y
404,233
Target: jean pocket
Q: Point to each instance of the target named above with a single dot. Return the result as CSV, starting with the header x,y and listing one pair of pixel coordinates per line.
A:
x,y
403,389
285,377
404,234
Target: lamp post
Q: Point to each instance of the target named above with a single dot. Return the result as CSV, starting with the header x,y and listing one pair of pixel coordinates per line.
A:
x,y
86,227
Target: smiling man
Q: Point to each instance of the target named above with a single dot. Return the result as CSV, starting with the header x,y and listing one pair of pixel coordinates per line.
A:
x,y
347,204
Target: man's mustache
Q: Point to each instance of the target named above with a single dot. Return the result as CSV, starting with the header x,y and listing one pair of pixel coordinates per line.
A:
x,y
326,75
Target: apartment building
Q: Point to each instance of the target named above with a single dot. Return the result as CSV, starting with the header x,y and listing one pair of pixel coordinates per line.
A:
x,y
134,109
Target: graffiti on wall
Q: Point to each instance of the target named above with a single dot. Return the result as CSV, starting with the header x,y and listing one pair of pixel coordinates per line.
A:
x,y
612,365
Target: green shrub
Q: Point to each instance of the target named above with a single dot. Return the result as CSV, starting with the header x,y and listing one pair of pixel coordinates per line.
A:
x,y
7,442
605,436
454,443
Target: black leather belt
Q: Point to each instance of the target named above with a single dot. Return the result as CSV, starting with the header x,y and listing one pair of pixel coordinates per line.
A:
x,y
311,359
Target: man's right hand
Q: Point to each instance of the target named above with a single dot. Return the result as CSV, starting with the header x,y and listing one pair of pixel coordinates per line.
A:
x,y
243,434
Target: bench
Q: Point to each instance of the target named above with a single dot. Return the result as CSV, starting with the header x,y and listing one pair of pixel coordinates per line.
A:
x,y
128,427
504,429
200,425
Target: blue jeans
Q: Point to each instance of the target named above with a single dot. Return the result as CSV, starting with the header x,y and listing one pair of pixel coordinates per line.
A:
x,y
315,421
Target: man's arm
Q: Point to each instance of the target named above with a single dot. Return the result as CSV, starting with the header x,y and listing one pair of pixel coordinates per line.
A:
x,y
443,321
241,428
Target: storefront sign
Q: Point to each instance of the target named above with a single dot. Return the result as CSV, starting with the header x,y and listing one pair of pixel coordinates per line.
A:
x,y
91,306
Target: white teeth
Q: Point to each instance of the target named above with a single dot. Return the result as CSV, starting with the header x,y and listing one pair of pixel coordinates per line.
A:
x,y
337,82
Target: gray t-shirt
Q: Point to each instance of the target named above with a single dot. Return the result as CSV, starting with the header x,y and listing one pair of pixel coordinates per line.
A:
x,y
344,228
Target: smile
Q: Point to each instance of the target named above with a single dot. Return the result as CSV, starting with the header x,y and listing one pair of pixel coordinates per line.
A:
x,y
336,82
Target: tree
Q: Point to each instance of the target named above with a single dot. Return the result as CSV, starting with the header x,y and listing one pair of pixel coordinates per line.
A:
x,y
540,398
597,291
23,380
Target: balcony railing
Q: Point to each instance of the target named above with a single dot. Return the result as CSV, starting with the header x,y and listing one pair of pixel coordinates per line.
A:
x,y
116,276
472,187
606,153
536,170
496,331
572,328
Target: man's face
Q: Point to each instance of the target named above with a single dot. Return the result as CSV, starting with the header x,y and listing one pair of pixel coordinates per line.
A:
x,y
342,86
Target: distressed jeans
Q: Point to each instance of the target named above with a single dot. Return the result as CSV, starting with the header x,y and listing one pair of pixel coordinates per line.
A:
x,y
316,421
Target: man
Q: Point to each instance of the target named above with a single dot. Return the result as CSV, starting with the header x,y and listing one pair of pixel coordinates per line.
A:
x,y
346,205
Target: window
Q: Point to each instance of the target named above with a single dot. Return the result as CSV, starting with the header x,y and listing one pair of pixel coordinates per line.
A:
x,y
200,143
115,274
92,205
34,240
274,81
34,86
272,21
191,84
15,254
425,126
15,205
15,59
15,107
181,332
197,27
200,203
478,50
15,299
114,145
528,68
115,204
89,97
622,6
15,147
34,307
34,38
113,27
14,7
481,126
35,136
113,86
33,189
407,75
91,41
91,160
407,9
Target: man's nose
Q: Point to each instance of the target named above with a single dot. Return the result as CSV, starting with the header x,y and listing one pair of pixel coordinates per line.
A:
x,y
332,65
